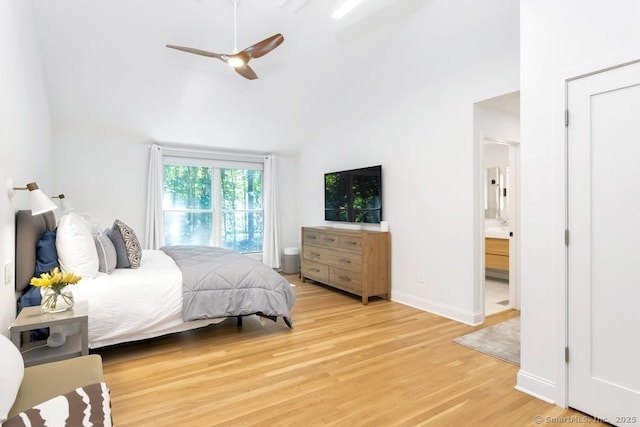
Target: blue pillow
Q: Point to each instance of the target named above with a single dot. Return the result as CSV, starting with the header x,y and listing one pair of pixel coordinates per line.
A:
x,y
31,297
46,254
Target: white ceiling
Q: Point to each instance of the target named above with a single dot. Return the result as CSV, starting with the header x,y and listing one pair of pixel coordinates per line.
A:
x,y
509,103
107,67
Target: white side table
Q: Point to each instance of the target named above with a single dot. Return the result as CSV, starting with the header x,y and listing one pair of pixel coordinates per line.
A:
x,y
35,353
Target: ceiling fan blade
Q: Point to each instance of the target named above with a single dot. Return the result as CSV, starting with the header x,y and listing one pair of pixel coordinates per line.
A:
x,y
196,51
265,46
246,72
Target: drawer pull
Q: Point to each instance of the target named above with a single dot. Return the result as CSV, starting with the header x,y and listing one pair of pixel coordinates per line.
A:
x,y
329,239
315,254
352,243
345,261
345,278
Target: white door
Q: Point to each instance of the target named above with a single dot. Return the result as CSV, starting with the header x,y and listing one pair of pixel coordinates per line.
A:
x,y
603,217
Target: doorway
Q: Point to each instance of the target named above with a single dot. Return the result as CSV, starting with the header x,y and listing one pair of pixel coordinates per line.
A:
x,y
501,161
497,125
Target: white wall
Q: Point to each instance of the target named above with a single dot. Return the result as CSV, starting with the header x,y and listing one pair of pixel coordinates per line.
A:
x,y
106,173
496,156
559,40
25,148
413,113
496,124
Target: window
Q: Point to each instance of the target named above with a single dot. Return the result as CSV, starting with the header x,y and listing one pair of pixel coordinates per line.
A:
x,y
213,202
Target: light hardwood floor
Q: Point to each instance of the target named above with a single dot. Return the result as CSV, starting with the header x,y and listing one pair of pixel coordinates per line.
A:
x,y
343,364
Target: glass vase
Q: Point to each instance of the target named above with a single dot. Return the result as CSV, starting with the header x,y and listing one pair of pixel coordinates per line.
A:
x,y
56,301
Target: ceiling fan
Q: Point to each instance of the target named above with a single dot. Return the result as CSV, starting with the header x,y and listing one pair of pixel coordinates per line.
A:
x,y
239,60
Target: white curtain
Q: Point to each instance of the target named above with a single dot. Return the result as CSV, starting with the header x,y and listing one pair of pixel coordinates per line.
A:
x,y
154,230
271,241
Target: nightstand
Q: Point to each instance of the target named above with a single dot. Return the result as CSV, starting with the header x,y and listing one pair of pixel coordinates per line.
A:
x,y
35,353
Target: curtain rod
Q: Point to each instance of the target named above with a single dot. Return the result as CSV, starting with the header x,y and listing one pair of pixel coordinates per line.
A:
x,y
201,151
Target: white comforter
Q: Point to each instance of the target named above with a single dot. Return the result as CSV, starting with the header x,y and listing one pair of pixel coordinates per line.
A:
x,y
134,304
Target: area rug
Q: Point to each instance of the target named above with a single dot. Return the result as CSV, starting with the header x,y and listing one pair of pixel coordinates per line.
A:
x,y
501,341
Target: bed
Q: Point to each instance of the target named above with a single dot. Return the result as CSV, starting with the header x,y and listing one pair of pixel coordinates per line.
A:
x,y
155,298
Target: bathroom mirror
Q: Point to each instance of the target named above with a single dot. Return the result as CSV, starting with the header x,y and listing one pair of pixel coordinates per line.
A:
x,y
495,194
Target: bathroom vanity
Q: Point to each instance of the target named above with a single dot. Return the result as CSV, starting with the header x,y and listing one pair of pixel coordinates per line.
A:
x,y
496,226
496,257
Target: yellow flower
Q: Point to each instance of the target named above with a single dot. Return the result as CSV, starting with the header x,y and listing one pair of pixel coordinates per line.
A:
x,y
42,282
55,279
70,278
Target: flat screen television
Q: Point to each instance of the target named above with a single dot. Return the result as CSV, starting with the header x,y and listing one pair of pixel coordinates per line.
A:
x,y
353,195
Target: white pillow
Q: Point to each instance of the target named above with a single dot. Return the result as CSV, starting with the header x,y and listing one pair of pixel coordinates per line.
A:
x,y
11,373
94,224
75,246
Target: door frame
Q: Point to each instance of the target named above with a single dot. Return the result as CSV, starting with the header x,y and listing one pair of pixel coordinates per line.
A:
x,y
478,226
514,241
562,104
478,285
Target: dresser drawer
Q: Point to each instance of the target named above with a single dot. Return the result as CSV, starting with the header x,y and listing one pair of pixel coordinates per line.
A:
x,y
320,238
351,243
319,254
346,279
347,261
315,270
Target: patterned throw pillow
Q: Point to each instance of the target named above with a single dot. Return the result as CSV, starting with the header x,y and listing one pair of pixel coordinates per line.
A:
x,y
132,246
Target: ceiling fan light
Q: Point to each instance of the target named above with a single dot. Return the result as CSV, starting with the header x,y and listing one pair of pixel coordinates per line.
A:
x,y
236,62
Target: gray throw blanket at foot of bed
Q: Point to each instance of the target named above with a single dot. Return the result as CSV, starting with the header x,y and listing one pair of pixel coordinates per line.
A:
x,y
218,282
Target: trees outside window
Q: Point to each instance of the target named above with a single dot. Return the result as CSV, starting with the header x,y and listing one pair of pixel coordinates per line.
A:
x,y
213,205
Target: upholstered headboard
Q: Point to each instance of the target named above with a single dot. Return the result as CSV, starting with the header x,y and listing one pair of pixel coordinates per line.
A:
x,y
29,228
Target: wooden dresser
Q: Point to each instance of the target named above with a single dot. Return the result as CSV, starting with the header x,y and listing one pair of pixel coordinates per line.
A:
x,y
354,261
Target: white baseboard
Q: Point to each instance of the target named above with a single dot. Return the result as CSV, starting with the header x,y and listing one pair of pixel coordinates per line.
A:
x,y
444,310
536,386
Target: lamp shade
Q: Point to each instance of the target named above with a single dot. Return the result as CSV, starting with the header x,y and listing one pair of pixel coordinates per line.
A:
x,y
65,206
40,203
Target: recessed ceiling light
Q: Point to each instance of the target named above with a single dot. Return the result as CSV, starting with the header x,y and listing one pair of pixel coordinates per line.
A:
x,y
345,8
